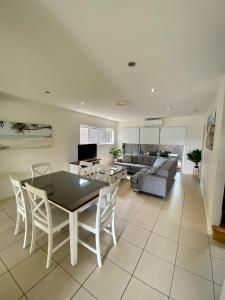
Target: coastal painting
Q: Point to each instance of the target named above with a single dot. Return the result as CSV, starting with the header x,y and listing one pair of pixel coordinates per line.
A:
x,y
15,135
210,130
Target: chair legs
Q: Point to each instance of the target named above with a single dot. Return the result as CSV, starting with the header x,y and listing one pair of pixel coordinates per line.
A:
x,y
18,216
98,249
26,234
50,245
33,239
113,230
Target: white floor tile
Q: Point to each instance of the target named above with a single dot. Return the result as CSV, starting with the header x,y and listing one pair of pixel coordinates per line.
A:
x,y
155,272
194,240
162,247
171,216
217,290
218,270
9,290
6,223
167,230
194,261
143,221
138,290
125,255
87,262
125,213
217,249
15,253
57,285
8,238
2,268
188,286
31,270
83,294
136,235
107,282
150,210
194,224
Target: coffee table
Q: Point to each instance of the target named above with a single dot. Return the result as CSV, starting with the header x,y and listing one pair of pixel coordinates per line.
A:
x,y
114,173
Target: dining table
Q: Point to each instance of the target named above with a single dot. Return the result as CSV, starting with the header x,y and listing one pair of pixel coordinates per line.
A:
x,y
71,193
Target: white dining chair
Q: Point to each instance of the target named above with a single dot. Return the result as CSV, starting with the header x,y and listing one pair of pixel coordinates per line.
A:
x,y
40,169
49,219
100,217
22,209
85,169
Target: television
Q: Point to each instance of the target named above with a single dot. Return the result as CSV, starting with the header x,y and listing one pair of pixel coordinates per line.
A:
x,y
87,151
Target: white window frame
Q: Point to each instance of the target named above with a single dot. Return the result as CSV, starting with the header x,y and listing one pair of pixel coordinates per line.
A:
x,y
98,129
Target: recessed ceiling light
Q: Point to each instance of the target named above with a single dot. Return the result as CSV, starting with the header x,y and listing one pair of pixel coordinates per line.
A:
x,y
168,108
153,90
132,64
123,102
82,103
47,92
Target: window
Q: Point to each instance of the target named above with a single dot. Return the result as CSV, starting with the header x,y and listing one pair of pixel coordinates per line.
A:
x,y
93,135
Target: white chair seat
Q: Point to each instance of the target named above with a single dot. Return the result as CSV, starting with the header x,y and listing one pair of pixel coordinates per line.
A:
x,y
59,218
87,218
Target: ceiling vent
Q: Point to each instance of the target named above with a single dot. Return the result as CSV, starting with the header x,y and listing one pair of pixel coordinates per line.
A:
x,y
153,122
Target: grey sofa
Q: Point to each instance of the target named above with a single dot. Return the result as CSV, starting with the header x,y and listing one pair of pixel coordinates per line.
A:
x,y
135,163
157,184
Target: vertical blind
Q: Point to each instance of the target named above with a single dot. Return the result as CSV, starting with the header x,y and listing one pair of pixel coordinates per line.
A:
x,y
150,135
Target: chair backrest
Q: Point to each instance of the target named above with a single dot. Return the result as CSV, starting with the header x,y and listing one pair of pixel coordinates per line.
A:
x,y
21,204
85,169
41,169
106,204
41,214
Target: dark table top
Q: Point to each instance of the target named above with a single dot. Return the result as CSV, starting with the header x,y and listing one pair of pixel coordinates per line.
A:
x,y
67,190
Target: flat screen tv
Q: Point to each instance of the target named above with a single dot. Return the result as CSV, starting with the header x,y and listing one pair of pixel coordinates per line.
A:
x,y
87,151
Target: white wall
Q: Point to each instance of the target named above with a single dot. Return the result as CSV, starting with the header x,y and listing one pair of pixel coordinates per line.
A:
x,y
65,125
213,167
194,133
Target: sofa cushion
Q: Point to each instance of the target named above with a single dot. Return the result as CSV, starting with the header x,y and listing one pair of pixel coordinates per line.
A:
x,y
127,158
137,167
147,160
134,159
141,160
134,178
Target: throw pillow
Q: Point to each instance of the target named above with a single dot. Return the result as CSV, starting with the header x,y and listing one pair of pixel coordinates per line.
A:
x,y
153,170
159,162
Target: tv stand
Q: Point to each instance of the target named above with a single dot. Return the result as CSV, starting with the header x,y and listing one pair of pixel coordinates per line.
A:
x,y
74,166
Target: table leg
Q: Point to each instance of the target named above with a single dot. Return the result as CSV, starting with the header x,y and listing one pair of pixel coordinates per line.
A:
x,y
73,237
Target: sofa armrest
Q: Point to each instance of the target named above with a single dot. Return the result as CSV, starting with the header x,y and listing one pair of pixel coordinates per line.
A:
x,y
152,184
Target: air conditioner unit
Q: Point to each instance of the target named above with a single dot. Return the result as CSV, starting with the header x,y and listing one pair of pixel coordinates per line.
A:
x,y
153,122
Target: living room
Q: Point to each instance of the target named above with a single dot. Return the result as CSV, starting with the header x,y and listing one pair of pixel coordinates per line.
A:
x,y
150,76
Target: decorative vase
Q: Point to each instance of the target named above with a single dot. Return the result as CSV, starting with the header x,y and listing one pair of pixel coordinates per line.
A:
x,y
196,171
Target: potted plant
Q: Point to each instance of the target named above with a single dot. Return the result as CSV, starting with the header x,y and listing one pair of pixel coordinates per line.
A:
x,y
115,152
195,156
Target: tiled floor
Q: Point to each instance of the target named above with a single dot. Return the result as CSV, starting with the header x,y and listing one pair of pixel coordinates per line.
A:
x,y
163,252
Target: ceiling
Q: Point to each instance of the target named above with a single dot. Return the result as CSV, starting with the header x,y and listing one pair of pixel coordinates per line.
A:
x,y
79,51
